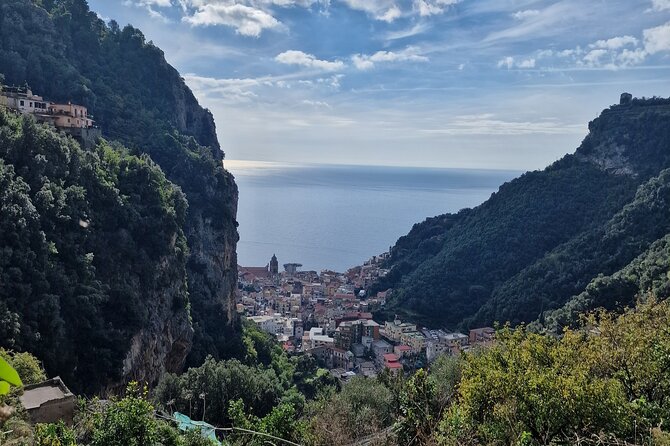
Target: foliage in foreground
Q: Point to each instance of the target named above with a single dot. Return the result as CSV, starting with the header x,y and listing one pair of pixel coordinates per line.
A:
x,y
604,383
608,378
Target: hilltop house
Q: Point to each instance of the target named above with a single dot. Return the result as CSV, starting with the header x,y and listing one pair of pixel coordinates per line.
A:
x,y
70,118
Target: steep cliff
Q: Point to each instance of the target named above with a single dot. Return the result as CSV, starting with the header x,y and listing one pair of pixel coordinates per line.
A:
x,y
92,259
544,236
66,53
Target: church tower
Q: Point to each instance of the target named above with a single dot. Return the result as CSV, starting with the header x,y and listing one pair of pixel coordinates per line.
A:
x,y
274,265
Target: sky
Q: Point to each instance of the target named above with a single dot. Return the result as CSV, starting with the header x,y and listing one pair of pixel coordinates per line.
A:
x,y
496,84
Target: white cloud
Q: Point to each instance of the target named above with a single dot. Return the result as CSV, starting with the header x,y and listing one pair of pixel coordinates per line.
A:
x,y
522,15
660,5
506,62
317,104
433,7
614,53
248,17
488,124
150,6
528,63
657,39
615,43
367,62
384,10
246,20
594,57
416,29
332,81
509,62
229,90
293,57
157,3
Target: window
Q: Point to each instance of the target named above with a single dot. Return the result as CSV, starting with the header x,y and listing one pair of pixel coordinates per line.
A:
x,y
22,103
31,105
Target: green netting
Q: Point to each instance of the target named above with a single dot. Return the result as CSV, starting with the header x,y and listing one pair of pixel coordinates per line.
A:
x,y
184,423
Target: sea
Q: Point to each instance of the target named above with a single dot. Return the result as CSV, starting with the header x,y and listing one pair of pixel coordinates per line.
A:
x,y
338,216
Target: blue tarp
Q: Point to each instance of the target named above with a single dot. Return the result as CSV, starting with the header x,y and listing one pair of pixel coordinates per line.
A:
x,y
184,423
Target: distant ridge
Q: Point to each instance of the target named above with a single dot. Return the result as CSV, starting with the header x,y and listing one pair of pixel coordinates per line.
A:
x,y
548,235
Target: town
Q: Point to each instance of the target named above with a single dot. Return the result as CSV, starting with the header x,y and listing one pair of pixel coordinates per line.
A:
x,y
329,315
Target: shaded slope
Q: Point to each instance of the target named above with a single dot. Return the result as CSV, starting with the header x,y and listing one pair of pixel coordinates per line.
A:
x,y
544,236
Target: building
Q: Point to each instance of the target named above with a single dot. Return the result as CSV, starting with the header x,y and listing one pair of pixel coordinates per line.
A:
x,y
484,335
395,329
402,350
415,340
392,363
70,118
315,338
277,325
49,402
342,359
274,265
291,268
381,348
349,333
22,100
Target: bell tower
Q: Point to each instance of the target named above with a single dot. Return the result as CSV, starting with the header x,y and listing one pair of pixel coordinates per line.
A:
x,y
274,265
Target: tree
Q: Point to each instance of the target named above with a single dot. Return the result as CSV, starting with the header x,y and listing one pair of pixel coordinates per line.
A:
x,y
535,387
127,422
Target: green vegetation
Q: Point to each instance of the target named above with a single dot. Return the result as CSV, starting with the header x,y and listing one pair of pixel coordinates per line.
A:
x,y
267,378
543,237
604,382
87,238
8,377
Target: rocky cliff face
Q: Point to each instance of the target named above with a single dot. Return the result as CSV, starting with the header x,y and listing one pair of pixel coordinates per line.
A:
x,y
628,139
165,339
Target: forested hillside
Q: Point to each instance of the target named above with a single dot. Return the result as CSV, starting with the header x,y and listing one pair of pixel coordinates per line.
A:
x,y
66,53
543,237
92,254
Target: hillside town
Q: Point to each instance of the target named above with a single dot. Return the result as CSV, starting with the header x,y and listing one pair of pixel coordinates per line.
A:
x,y
330,316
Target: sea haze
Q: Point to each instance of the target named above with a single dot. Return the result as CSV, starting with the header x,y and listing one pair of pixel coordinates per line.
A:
x,y
336,217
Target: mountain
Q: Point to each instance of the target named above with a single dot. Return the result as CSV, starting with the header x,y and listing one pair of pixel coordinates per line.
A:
x,y
540,241
66,53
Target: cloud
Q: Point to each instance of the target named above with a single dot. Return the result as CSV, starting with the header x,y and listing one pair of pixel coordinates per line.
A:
x,y
246,20
293,57
248,17
150,6
383,10
367,62
433,7
613,53
159,3
615,43
416,29
509,62
546,22
660,5
488,124
317,104
229,90
522,15
657,39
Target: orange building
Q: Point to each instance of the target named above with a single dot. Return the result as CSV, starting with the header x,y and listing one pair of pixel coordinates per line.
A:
x,y
70,115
